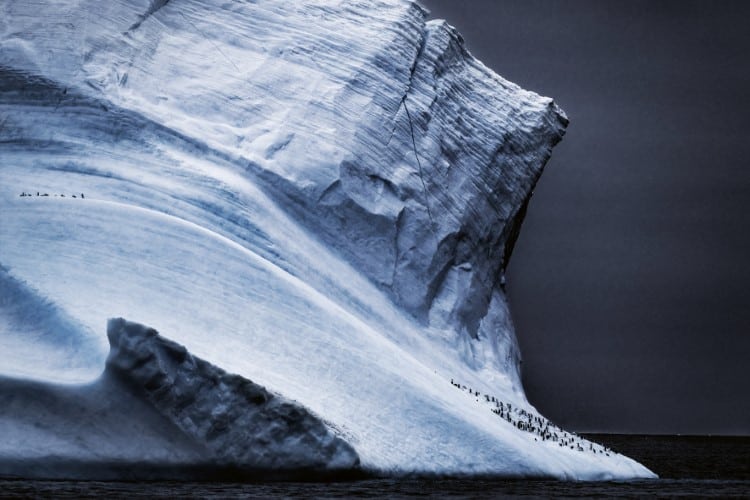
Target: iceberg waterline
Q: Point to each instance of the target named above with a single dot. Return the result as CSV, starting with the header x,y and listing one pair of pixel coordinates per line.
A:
x,y
318,196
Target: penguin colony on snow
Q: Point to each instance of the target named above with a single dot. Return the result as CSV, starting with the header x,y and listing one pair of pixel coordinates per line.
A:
x,y
535,424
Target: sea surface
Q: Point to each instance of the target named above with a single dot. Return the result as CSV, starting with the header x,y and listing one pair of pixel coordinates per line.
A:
x,y
697,466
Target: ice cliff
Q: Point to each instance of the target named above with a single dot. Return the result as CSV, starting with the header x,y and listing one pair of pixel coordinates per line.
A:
x,y
318,196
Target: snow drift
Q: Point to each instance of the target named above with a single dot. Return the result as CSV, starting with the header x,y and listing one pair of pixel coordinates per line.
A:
x,y
318,196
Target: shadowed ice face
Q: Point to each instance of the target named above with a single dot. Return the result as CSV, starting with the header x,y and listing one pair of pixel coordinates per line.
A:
x,y
628,283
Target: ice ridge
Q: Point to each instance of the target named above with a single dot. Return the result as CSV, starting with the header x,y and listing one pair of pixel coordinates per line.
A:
x,y
242,423
209,423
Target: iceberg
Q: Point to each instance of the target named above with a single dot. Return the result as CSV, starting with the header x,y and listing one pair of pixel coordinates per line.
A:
x,y
317,197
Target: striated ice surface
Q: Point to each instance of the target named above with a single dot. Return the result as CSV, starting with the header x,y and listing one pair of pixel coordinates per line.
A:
x,y
318,196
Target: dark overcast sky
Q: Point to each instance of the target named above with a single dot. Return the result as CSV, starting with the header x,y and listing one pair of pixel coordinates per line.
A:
x,y
630,282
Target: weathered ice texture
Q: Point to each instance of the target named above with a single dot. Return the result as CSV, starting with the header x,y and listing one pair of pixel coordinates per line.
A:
x,y
429,206
240,422
320,196
159,412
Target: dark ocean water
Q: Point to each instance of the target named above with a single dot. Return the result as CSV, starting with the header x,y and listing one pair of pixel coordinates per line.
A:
x,y
687,466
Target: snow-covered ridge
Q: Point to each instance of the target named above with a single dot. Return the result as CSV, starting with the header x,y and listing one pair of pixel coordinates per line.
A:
x,y
319,196
241,423
158,412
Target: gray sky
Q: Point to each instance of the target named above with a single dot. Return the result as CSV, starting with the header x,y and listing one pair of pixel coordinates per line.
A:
x,y
630,282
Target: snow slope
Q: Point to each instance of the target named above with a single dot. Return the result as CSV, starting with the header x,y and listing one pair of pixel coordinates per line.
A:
x,y
319,196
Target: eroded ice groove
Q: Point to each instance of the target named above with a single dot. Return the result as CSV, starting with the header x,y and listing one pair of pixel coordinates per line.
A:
x,y
39,340
319,196
159,412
